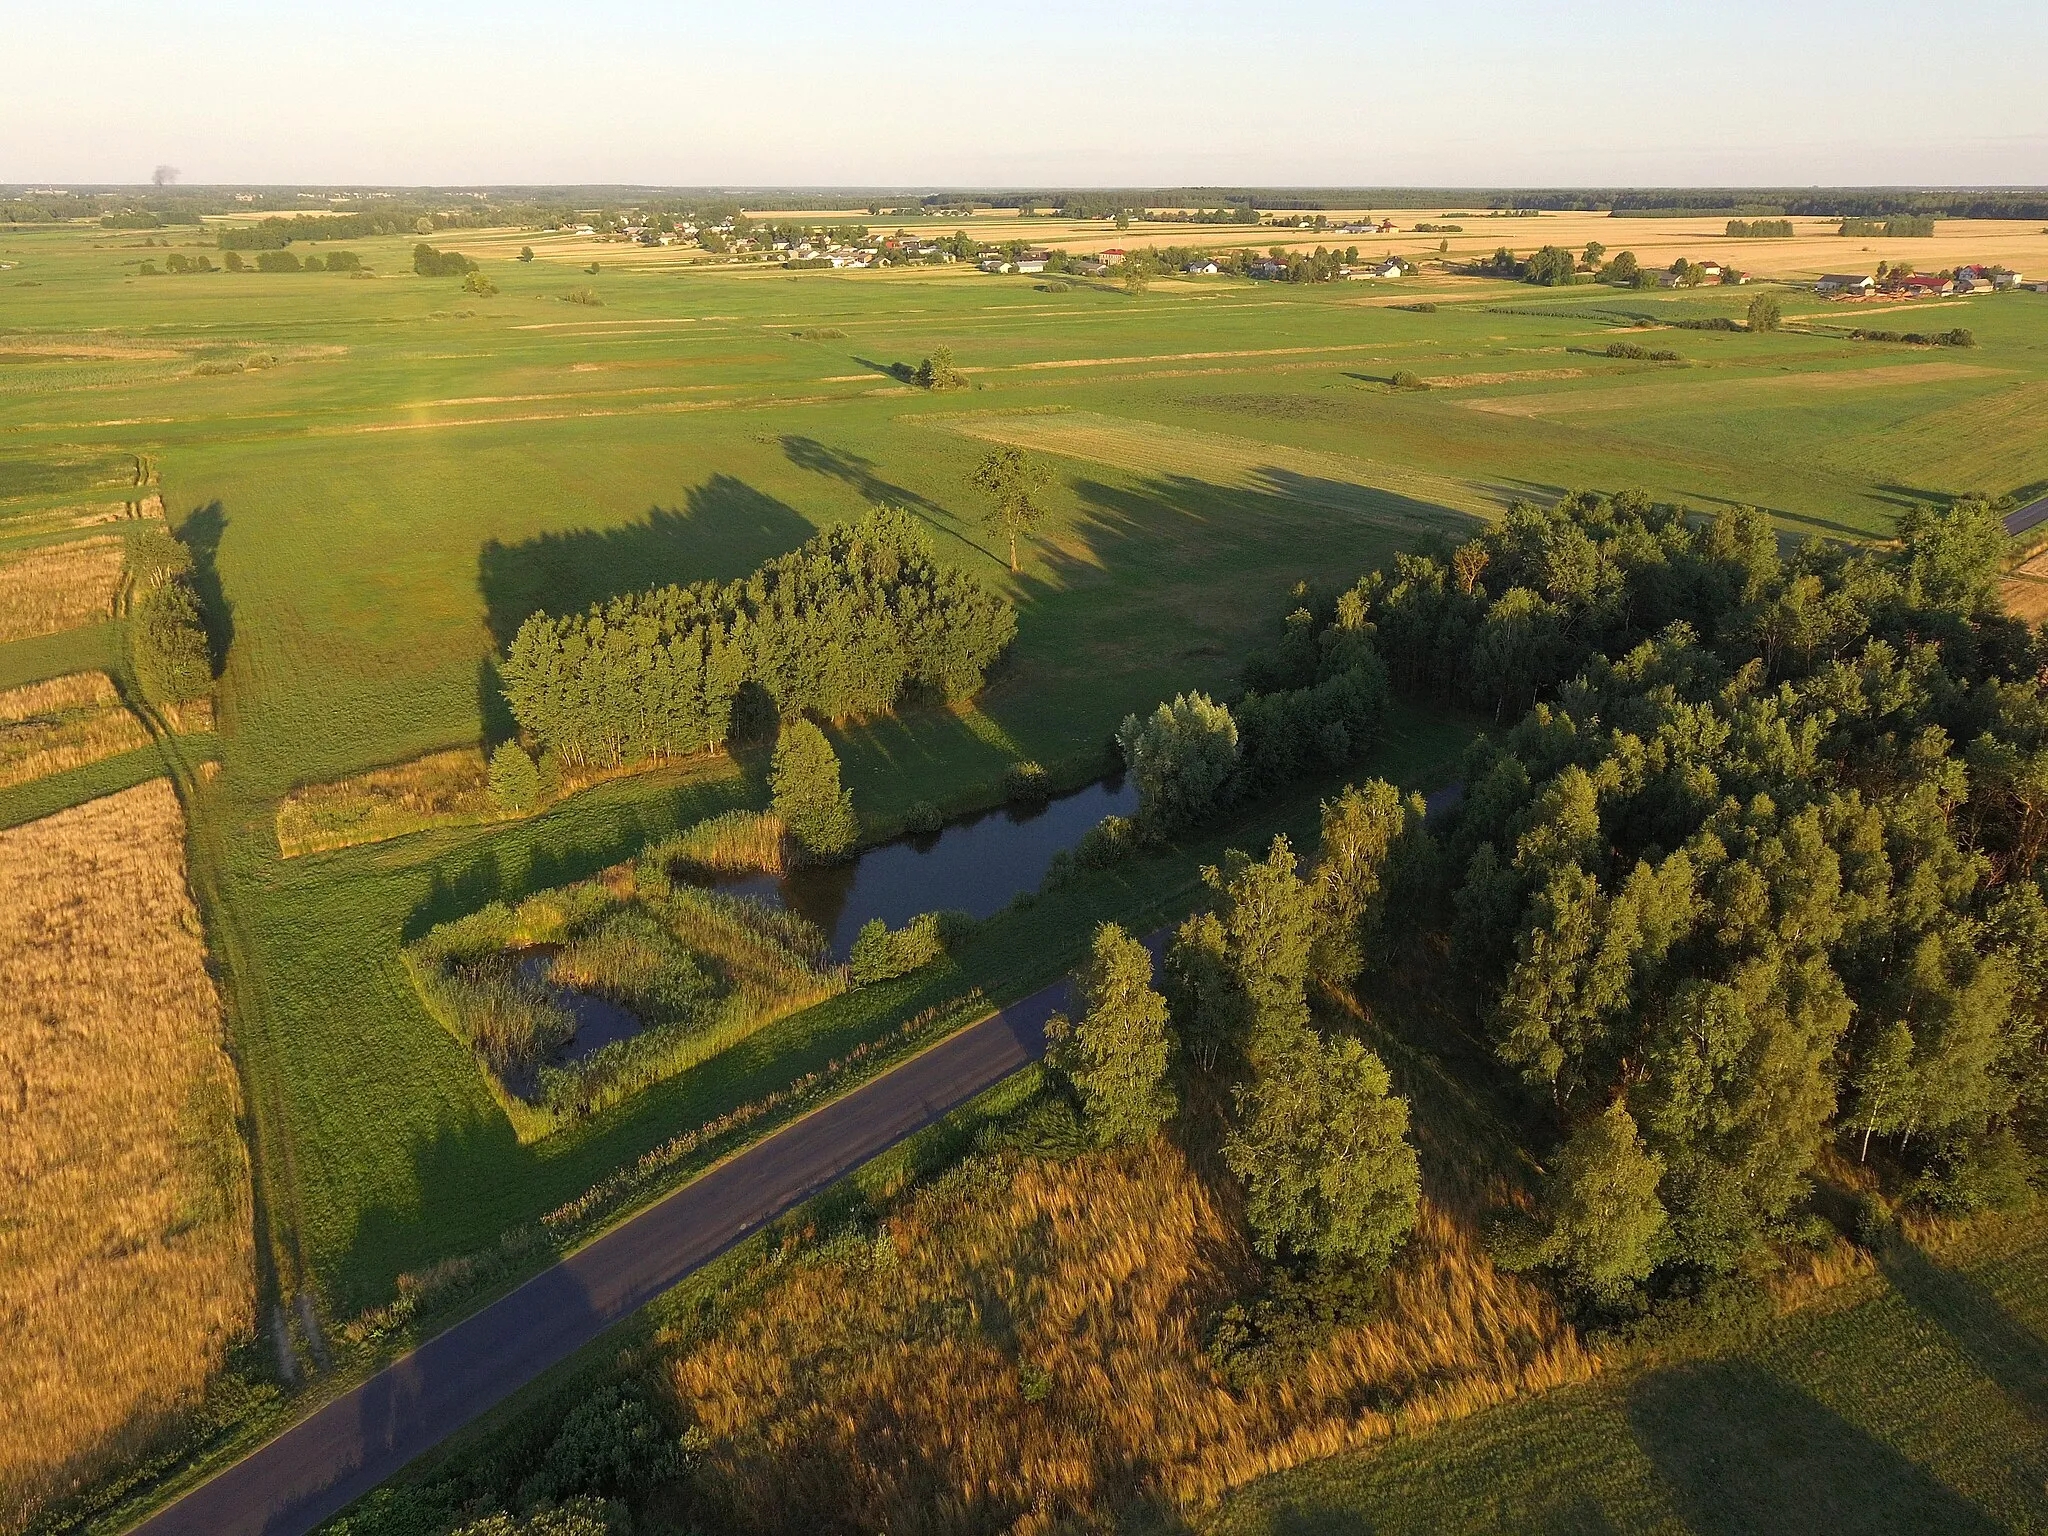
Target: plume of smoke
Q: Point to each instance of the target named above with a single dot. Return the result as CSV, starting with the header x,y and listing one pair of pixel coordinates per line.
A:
x,y
164,175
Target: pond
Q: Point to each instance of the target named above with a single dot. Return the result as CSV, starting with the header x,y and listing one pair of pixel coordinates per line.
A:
x,y
973,866
599,1021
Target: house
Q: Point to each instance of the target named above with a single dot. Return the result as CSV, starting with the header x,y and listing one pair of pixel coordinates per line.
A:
x,y
1387,226
1923,285
1033,261
2006,280
1266,266
993,262
1712,271
1968,281
1200,269
1087,266
1835,283
1114,256
1393,266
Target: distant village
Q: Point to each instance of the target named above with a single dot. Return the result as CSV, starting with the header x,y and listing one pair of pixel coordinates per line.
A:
x,y
1902,282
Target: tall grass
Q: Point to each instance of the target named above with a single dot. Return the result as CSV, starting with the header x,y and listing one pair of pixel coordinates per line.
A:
x,y
126,1259
50,588
1021,1348
738,842
65,722
443,789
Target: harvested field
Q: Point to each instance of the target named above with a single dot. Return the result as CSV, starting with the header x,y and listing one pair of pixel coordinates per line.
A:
x,y
1701,391
125,1240
1021,1349
1525,376
55,587
66,722
1155,449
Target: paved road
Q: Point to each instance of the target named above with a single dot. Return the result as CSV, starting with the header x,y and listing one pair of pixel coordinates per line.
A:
x,y
2020,519
333,1457
328,1460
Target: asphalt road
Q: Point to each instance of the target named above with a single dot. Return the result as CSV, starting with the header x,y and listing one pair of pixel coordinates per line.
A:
x,y
328,1460
2020,519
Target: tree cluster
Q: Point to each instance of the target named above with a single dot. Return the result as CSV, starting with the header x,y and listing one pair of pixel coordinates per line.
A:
x,y
859,617
166,628
428,262
1760,862
1760,229
1903,226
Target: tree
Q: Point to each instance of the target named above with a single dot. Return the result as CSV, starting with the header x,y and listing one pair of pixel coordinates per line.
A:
x,y
1552,266
526,253
1359,830
1885,1085
1269,924
1116,1055
515,781
1015,486
1764,313
805,780
1604,1225
1593,252
1182,755
1621,270
1322,1152
938,372
173,662
1210,1011
478,284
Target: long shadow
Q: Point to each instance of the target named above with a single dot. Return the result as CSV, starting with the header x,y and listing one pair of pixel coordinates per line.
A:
x,y
902,373
201,534
854,470
2009,1354
724,529
1745,1454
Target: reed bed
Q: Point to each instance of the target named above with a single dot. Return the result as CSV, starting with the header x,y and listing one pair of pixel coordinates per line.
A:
x,y
1021,1349
443,789
738,842
50,588
63,723
126,1258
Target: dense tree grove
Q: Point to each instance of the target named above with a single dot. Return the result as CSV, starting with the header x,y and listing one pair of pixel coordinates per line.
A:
x,y
1756,860
166,629
859,617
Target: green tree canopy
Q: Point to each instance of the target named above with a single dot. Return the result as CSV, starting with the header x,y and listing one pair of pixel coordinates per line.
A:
x,y
1604,1225
1182,755
805,780
1015,485
1115,1056
1322,1151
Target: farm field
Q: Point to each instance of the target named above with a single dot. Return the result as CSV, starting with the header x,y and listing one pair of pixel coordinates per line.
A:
x,y
380,477
125,1252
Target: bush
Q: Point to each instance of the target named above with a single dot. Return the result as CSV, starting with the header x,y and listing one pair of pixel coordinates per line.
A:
x,y
276,261
1027,783
344,261
233,261
1634,353
923,819
1418,309
515,781
1106,843
1404,379
879,955
583,296
479,285
428,262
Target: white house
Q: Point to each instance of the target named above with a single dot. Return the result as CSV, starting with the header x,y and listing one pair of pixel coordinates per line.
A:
x,y
1838,282
1201,269
1393,266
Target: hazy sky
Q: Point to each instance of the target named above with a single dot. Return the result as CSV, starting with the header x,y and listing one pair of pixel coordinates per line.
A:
x,y
1050,92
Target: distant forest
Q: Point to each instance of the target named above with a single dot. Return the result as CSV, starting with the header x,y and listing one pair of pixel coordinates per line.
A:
x,y
386,210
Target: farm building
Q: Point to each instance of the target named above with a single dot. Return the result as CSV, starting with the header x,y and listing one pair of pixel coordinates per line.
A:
x,y
1920,285
1840,283
1200,269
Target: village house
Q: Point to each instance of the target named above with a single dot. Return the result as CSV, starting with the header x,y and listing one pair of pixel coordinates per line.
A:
x,y
1923,285
1837,284
1393,266
1200,269
1114,256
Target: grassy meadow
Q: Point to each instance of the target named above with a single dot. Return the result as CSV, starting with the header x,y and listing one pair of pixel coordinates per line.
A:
x,y
379,477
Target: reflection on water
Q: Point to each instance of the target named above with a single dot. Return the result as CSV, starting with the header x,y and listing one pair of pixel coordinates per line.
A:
x,y
972,866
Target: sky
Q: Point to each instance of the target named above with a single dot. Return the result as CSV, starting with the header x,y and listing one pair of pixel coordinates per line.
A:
x,y
1046,93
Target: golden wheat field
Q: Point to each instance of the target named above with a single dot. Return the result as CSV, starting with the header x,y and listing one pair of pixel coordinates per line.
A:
x,y
126,1260
65,722
55,587
1021,1349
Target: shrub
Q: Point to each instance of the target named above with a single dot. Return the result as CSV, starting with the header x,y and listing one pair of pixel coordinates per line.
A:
x,y
1634,353
479,285
276,261
1107,842
1027,783
923,819
1418,309
428,262
880,955
526,253
172,660
1405,379
344,261
583,296
232,260
515,781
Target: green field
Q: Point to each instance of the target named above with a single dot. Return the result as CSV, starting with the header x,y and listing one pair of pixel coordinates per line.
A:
x,y
400,472
1914,1402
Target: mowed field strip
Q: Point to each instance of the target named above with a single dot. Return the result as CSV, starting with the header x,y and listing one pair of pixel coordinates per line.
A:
x,y
126,1262
1679,390
65,722
1153,448
49,589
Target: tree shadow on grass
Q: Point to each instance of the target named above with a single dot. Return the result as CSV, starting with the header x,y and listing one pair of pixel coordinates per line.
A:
x,y
852,469
1998,1346
724,529
1745,1454
201,534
